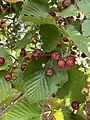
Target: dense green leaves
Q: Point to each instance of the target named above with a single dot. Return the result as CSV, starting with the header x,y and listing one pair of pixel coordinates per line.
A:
x,y
38,86
36,9
73,87
42,30
37,12
23,110
49,36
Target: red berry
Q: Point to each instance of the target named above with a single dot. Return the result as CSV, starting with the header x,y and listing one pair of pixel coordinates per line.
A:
x,y
61,63
37,53
65,39
83,55
8,76
75,105
73,1
23,67
53,95
70,61
49,72
65,4
59,44
27,59
23,52
52,12
2,60
55,56
59,20
10,9
70,19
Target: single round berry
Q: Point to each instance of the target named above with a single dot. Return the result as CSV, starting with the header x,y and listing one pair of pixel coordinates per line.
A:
x,y
52,12
73,1
53,95
49,72
75,105
83,55
23,67
70,61
8,76
61,63
59,20
65,39
37,53
65,4
10,9
2,60
55,56
70,19
59,44
23,52
27,59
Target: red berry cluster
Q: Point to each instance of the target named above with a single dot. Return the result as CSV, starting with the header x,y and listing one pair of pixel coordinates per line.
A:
x,y
23,53
59,8
61,62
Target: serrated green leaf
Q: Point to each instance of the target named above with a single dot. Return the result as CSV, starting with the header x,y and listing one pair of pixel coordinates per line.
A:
x,y
5,87
74,85
82,43
18,82
70,11
49,36
23,110
36,9
77,26
84,6
86,28
63,31
37,86
80,40
38,20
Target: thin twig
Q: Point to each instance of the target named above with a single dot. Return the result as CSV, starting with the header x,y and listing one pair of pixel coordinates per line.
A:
x,y
10,105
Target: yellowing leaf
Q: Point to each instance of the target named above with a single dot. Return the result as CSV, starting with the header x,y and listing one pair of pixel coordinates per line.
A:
x,y
14,1
59,115
88,79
